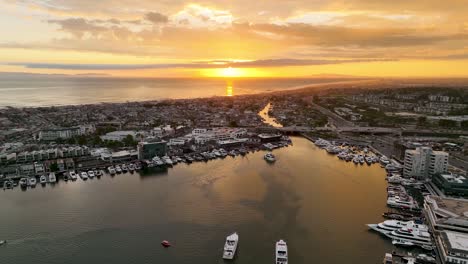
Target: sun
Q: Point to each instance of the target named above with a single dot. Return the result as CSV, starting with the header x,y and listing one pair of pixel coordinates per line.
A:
x,y
230,72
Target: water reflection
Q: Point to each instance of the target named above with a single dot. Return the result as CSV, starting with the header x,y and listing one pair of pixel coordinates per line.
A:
x,y
229,88
264,114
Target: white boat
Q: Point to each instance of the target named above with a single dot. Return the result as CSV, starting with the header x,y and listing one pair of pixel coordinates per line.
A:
x,y
388,226
84,175
43,179
91,174
137,166
73,176
131,167
167,160
124,168
32,181
118,169
269,157
281,252
230,246
406,202
223,152
400,242
413,235
23,182
111,170
52,178
97,173
2,242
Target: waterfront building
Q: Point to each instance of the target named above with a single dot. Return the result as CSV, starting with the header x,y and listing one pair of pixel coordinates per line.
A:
x,y
453,247
148,150
452,184
423,162
59,133
118,135
446,213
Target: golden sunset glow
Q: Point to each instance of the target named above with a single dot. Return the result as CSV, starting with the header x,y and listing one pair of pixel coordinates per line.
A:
x,y
420,38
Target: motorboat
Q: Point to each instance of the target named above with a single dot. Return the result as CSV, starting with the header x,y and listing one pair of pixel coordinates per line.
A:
x,y
23,182
111,170
165,243
137,166
66,176
223,152
167,160
84,175
2,242
281,252
52,178
118,169
97,173
131,167
404,201
8,184
124,168
32,181
91,174
269,157
230,246
73,176
43,180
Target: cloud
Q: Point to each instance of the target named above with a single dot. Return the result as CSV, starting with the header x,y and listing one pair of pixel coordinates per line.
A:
x,y
194,65
156,18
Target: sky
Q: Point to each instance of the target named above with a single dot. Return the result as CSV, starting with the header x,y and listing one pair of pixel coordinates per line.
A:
x,y
243,38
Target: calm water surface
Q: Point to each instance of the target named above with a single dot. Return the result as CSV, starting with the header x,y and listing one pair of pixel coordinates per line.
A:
x,y
47,91
318,204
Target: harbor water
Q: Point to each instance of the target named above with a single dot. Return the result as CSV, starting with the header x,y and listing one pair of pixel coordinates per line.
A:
x,y
316,202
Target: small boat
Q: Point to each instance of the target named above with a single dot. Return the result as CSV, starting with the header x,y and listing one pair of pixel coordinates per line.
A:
x,y
98,173
43,180
111,170
124,168
66,176
8,184
73,176
137,166
52,178
165,243
118,169
23,182
131,167
2,242
84,175
91,174
269,157
230,246
281,251
32,181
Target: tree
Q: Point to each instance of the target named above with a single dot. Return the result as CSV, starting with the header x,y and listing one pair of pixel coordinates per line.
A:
x,y
422,120
233,123
447,123
129,141
54,167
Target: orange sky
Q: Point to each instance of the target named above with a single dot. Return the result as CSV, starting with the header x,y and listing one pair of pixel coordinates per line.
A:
x,y
213,38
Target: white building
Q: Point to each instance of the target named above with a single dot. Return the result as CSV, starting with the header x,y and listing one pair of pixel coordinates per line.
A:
x,y
56,133
453,247
423,162
118,135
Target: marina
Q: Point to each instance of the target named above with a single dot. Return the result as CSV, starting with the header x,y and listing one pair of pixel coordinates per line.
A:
x,y
294,199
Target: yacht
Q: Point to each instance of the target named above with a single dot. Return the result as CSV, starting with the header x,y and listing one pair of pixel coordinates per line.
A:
x,y
216,153
124,168
43,180
84,175
98,173
388,226
131,167
23,182
91,174
413,235
118,169
52,178
401,242
321,143
384,160
111,170
269,157
281,252
368,160
32,181
230,246
405,202
73,176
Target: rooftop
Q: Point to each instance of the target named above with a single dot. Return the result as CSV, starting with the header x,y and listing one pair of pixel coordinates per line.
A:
x,y
456,241
447,212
